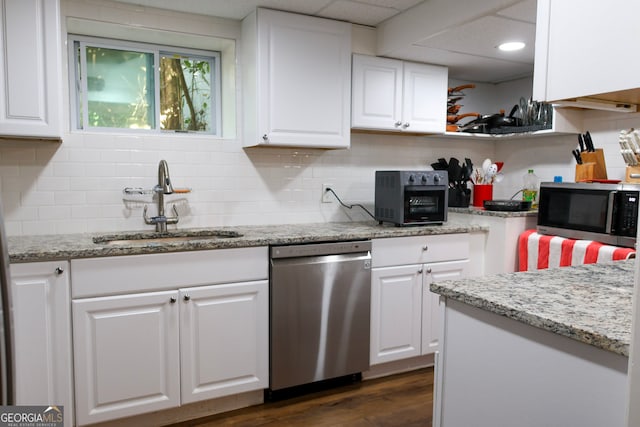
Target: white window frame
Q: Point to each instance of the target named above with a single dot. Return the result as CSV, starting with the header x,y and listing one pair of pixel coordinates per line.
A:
x,y
157,51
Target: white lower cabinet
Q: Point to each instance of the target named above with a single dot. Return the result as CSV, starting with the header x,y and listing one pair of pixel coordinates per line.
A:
x,y
127,355
140,352
396,307
224,332
431,303
42,335
405,314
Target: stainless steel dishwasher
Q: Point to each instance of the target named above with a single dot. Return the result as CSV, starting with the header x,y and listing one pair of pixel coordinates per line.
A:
x,y
320,298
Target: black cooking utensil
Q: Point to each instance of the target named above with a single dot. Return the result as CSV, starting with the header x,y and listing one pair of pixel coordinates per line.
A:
x,y
455,171
468,167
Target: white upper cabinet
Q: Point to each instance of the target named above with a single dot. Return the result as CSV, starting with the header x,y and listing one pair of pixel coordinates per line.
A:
x,y
30,71
395,95
296,80
584,49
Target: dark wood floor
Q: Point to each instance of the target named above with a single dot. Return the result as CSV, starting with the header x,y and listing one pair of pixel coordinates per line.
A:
x,y
399,400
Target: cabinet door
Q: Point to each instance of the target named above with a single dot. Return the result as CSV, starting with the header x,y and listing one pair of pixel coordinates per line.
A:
x,y
126,355
585,53
424,106
431,308
376,100
304,86
42,335
396,305
30,55
224,332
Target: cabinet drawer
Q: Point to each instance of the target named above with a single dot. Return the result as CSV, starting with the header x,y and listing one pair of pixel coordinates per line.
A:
x,y
142,273
419,249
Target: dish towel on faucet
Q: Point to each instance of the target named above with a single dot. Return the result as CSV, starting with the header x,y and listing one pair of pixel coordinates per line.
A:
x,y
539,251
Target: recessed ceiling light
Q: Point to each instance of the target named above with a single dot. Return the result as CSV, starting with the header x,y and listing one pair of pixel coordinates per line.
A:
x,y
511,46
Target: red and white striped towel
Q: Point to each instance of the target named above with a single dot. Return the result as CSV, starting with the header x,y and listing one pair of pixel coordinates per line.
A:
x,y
538,251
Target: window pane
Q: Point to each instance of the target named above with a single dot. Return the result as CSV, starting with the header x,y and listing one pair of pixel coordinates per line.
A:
x,y
119,88
185,93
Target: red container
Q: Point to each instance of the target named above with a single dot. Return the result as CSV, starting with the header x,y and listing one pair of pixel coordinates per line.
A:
x,y
482,192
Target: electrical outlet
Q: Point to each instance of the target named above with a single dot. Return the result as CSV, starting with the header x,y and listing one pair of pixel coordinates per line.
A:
x,y
327,196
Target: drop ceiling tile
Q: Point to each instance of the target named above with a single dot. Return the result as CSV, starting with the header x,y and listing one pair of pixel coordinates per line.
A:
x,y
482,36
361,13
399,5
466,67
524,11
232,9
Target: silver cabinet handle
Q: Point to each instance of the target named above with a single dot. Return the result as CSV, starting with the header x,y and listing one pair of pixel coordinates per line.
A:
x,y
405,125
173,300
420,271
187,297
425,248
265,137
397,124
429,270
59,270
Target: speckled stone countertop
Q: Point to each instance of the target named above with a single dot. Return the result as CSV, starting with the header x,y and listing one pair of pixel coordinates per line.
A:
x,y
68,246
472,210
589,303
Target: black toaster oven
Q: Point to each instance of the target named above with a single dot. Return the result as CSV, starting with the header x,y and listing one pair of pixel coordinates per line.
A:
x,y
411,197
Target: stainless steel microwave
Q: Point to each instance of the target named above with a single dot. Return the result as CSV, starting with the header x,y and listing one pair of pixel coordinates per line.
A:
x,y
411,197
606,213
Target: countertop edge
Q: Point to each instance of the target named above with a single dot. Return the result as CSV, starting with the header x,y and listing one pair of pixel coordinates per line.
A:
x,y
73,246
569,331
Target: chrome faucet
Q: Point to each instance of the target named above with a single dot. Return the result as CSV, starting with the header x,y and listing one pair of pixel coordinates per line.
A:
x,y
164,187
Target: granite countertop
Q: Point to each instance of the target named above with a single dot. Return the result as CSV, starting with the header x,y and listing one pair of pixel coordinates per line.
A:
x,y
68,246
589,303
472,210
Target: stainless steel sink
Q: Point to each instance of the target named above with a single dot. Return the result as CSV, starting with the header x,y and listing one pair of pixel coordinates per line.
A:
x,y
143,238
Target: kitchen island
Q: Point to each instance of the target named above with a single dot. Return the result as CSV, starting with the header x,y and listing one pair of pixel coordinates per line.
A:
x,y
548,347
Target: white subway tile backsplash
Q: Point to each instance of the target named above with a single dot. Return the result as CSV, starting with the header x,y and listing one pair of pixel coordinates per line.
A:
x,y
54,212
17,155
77,186
37,198
71,169
31,228
52,183
70,198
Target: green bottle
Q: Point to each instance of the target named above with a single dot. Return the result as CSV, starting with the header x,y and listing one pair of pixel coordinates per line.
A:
x,y
530,189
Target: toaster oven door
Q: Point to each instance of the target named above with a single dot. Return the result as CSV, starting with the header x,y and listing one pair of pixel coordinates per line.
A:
x,y
425,204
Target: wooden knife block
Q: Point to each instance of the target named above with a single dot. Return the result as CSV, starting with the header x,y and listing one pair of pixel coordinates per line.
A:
x,y
632,170
592,167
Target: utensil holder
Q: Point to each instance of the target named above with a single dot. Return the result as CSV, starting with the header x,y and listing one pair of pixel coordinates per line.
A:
x,y
599,166
632,170
459,197
482,192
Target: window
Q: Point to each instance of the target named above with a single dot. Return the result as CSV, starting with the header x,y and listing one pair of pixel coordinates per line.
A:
x,y
142,87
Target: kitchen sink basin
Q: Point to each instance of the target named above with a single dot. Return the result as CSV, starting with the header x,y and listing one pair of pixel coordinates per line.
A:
x,y
169,237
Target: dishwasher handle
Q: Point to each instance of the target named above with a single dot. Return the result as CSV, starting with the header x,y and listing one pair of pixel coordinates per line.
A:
x,y
320,249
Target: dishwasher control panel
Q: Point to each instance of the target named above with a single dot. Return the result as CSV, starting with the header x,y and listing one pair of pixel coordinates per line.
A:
x,y
318,249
